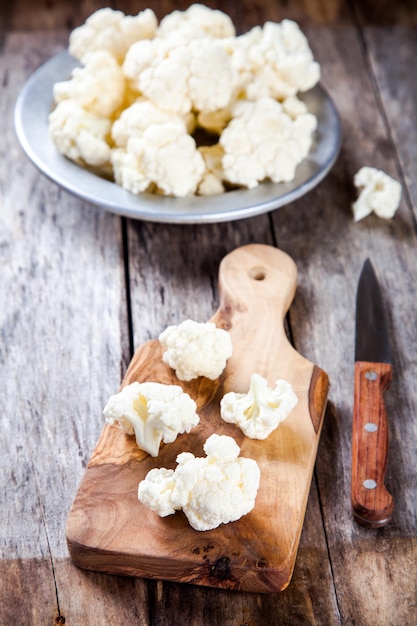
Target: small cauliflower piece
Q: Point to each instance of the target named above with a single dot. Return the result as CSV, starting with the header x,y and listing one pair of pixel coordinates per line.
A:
x,y
195,22
210,81
153,412
378,192
80,135
112,31
165,157
196,349
263,142
212,490
128,170
179,77
170,158
158,69
155,491
294,107
135,119
261,410
273,60
212,180
98,86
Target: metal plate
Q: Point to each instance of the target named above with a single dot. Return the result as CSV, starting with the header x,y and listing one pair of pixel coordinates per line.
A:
x,y
31,122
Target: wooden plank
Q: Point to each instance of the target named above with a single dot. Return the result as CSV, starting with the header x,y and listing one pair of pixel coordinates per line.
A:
x,y
67,330
395,80
329,260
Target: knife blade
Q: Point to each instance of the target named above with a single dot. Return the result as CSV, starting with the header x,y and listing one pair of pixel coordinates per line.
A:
x,y
372,504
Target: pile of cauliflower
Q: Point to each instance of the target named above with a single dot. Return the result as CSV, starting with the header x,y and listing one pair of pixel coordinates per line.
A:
x,y
221,487
144,91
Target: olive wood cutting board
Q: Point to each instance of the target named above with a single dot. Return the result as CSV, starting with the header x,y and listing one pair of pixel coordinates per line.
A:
x,y
109,530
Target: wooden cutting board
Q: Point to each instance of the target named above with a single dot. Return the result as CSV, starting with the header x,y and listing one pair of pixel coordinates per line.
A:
x,y
109,530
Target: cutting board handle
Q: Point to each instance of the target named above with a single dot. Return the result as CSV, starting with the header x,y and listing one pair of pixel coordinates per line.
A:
x,y
255,274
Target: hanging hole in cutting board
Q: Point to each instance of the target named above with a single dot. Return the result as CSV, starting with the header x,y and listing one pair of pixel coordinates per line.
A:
x,y
257,273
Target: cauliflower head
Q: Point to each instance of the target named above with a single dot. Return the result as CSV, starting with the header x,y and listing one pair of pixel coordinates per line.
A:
x,y
261,410
112,31
180,77
153,412
263,142
135,119
274,60
80,135
196,21
212,490
128,169
165,158
196,349
378,192
98,86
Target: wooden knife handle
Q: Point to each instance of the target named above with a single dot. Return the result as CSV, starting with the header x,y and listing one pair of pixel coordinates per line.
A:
x,y
371,502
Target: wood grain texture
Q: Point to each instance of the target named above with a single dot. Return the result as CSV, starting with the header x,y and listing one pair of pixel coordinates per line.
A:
x,y
51,243
329,256
109,530
372,503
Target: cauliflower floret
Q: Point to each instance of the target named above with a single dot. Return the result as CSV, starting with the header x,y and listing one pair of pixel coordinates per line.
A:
x,y
378,192
164,157
261,410
263,142
153,412
170,158
99,86
111,31
128,170
210,82
159,70
273,60
196,21
80,135
134,121
180,77
155,491
212,490
294,107
196,349
211,182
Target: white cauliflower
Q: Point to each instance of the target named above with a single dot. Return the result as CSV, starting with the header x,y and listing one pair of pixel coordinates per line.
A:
x,y
80,135
274,60
196,349
111,31
155,491
196,21
135,119
128,169
216,121
212,490
159,70
294,107
378,192
158,85
180,77
211,182
262,142
98,86
153,412
166,156
262,409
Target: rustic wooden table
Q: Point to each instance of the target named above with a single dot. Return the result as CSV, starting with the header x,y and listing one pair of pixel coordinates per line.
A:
x,y
82,288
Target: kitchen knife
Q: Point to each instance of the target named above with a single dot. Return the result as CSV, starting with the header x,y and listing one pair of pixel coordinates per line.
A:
x,y
371,502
